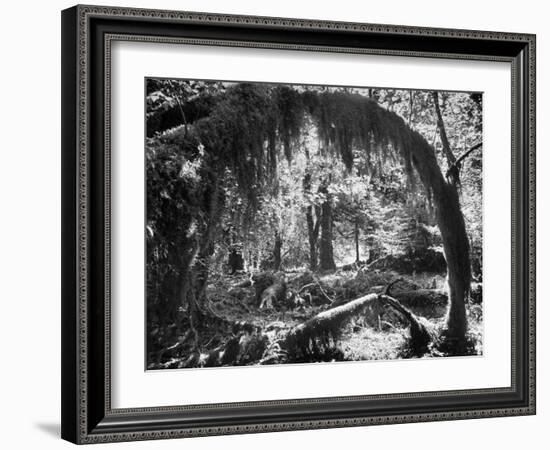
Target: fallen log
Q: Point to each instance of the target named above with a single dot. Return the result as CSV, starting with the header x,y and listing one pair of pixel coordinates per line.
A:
x,y
317,332
325,328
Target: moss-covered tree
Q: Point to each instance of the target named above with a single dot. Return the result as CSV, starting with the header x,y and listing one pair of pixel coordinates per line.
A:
x,y
242,135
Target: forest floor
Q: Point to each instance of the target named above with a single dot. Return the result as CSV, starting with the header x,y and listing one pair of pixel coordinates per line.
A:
x,y
378,333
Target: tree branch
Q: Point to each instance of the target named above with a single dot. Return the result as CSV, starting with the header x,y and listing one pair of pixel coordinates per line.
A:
x,y
441,126
467,153
458,164
176,96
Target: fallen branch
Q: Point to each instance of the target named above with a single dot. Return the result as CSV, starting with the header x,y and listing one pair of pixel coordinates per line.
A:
x,y
315,283
305,286
387,291
243,284
372,263
331,300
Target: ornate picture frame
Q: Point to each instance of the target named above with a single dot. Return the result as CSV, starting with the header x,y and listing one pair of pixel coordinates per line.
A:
x,y
88,33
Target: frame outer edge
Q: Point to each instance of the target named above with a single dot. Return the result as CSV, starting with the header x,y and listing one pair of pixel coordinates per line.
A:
x,y
75,219
69,264
297,23
532,144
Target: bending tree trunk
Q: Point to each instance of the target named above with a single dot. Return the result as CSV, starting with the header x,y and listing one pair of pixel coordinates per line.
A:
x,y
453,233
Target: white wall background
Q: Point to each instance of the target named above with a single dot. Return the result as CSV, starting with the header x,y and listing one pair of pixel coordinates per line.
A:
x,y
30,223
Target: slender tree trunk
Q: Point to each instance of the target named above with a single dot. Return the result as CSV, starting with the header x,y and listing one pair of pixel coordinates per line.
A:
x,y
312,239
326,255
313,224
186,284
442,133
356,236
411,104
277,251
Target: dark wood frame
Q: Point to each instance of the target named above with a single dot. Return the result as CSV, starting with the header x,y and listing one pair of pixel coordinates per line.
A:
x,y
87,32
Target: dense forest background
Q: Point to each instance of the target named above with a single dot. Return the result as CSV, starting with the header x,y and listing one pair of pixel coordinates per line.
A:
x,y
292,223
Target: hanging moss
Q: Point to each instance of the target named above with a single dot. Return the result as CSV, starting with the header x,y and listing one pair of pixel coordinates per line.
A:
x,y
251,123
347,121
290,117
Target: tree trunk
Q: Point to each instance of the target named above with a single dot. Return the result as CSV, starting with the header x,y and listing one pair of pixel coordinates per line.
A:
x,y
326,255
195,277
356,236
443,134
456,248
453,233
235,261
312,225
313,235
277,252
411,104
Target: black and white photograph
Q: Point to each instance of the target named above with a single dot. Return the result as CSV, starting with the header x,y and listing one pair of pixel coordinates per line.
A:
x,y
275,225
294,223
